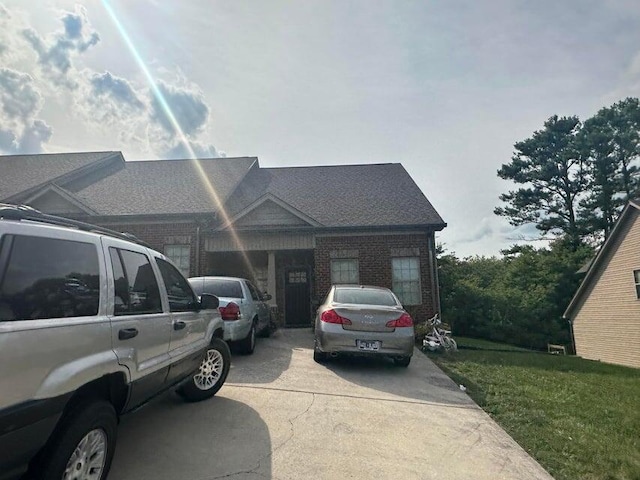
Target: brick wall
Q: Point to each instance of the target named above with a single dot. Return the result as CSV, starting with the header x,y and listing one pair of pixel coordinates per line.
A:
x,y
374,262
157,235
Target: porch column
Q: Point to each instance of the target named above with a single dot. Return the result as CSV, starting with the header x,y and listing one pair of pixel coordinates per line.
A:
x,y
271,278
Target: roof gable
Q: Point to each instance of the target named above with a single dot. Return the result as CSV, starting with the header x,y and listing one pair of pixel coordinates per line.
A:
x,y
23,175
630,211
270,211
56,200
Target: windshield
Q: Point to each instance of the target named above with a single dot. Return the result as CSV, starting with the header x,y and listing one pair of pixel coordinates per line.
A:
x,y
364,296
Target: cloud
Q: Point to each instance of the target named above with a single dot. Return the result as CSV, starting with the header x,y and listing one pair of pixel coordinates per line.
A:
x,y
18,96
201,150
117,89
55,56
188,107
20,102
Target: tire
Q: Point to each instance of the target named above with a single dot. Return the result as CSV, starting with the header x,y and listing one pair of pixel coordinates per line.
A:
x,y
271,327
248,344
402,361
449,344
208,380
318,356
89,426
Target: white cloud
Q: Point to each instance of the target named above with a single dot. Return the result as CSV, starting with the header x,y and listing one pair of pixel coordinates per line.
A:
x,y
187,106
20,103
55,55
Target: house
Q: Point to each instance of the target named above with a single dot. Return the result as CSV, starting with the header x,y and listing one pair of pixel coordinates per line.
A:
x,y
295,231
605,311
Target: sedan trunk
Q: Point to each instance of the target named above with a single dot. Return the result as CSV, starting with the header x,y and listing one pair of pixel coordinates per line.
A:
x,y
368,318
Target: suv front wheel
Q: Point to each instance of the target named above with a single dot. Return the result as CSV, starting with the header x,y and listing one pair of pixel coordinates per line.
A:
x,y
213,371
83,446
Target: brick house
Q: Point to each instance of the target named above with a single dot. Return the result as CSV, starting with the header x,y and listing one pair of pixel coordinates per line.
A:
x,y
293,230
605,311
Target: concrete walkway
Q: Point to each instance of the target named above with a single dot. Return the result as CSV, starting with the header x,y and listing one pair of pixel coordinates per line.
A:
x,y
282,416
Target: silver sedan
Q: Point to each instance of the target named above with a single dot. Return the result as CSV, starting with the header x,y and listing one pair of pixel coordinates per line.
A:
x,y
363,320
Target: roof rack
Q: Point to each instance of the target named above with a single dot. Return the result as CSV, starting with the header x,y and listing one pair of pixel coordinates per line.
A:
x,y
24,212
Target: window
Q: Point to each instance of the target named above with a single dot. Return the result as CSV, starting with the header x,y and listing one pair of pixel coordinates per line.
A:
x,y
406,280
344,270
180,255
636,277
254,293
364,296
181,297
136,288
222,288
49,278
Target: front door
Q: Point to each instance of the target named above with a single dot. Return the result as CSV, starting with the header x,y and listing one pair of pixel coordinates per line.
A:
x,y
297,297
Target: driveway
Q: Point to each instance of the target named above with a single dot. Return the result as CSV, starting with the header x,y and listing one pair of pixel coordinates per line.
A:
x,y
282,416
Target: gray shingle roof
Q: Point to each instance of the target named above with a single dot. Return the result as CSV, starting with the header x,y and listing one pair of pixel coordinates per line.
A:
x,y
19,173
342,196
165,186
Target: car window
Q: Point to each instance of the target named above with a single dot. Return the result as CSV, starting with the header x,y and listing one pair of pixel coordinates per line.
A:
x,y
49,278
135,284
364,296
255,295
221,287
181,296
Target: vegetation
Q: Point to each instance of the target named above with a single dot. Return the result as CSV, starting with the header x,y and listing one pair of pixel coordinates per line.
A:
x,y
572,179
517,299
556,407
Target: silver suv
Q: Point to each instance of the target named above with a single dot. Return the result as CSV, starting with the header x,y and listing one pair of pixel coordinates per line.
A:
x,y
92,326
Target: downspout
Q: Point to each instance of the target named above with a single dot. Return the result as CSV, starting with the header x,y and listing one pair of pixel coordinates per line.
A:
x,y
197,250
435,283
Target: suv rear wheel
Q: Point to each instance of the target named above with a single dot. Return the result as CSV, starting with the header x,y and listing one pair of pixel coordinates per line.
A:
x,y
213,371
83,446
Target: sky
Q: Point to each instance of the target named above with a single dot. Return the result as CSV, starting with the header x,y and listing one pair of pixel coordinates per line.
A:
x,y
444,87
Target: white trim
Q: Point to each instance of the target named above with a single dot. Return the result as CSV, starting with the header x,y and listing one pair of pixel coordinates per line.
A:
x,y
281,203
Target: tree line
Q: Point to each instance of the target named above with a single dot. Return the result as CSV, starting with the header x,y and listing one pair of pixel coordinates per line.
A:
x,y
572,180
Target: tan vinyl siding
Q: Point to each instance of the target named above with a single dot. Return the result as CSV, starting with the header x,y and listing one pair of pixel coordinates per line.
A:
x,y
607,323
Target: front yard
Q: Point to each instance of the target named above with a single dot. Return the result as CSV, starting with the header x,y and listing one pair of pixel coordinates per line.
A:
x,y
580,419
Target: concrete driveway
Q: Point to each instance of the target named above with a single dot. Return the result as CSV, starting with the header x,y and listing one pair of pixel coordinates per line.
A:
x,y
282,416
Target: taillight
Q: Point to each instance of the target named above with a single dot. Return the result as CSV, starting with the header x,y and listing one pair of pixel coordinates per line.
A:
x,y
405,320
230,312
330,316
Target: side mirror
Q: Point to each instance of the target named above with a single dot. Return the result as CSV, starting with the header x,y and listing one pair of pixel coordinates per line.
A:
x,y
209,302
266,297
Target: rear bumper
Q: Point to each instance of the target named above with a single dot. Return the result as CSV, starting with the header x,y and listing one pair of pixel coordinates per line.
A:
x,y
333,338
235,330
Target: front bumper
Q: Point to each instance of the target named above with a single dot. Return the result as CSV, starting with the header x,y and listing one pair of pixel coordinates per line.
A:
x,y
332,338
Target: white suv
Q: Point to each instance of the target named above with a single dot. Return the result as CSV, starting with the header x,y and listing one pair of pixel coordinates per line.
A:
x,y
92,326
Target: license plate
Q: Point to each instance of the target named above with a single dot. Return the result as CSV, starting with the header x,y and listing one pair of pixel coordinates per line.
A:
x,y
369,345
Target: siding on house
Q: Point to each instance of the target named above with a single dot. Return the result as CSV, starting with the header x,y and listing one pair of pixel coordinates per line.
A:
x,y
606,324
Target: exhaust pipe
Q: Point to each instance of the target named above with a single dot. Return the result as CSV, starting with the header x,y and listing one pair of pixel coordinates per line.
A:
x,y
333,354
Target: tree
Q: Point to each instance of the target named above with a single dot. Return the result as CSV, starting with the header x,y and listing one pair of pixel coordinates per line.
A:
x,y
550,168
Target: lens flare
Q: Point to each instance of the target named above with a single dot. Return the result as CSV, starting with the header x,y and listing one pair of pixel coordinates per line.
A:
x,y
157,93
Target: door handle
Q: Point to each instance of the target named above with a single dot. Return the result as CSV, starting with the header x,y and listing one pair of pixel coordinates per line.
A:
x,y
126,333
179,325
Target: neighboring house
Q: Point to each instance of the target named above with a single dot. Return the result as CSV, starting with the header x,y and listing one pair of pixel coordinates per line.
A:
x,y
295,231
605,311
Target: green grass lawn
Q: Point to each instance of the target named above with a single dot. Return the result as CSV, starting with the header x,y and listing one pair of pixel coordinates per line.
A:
x,y
580,419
